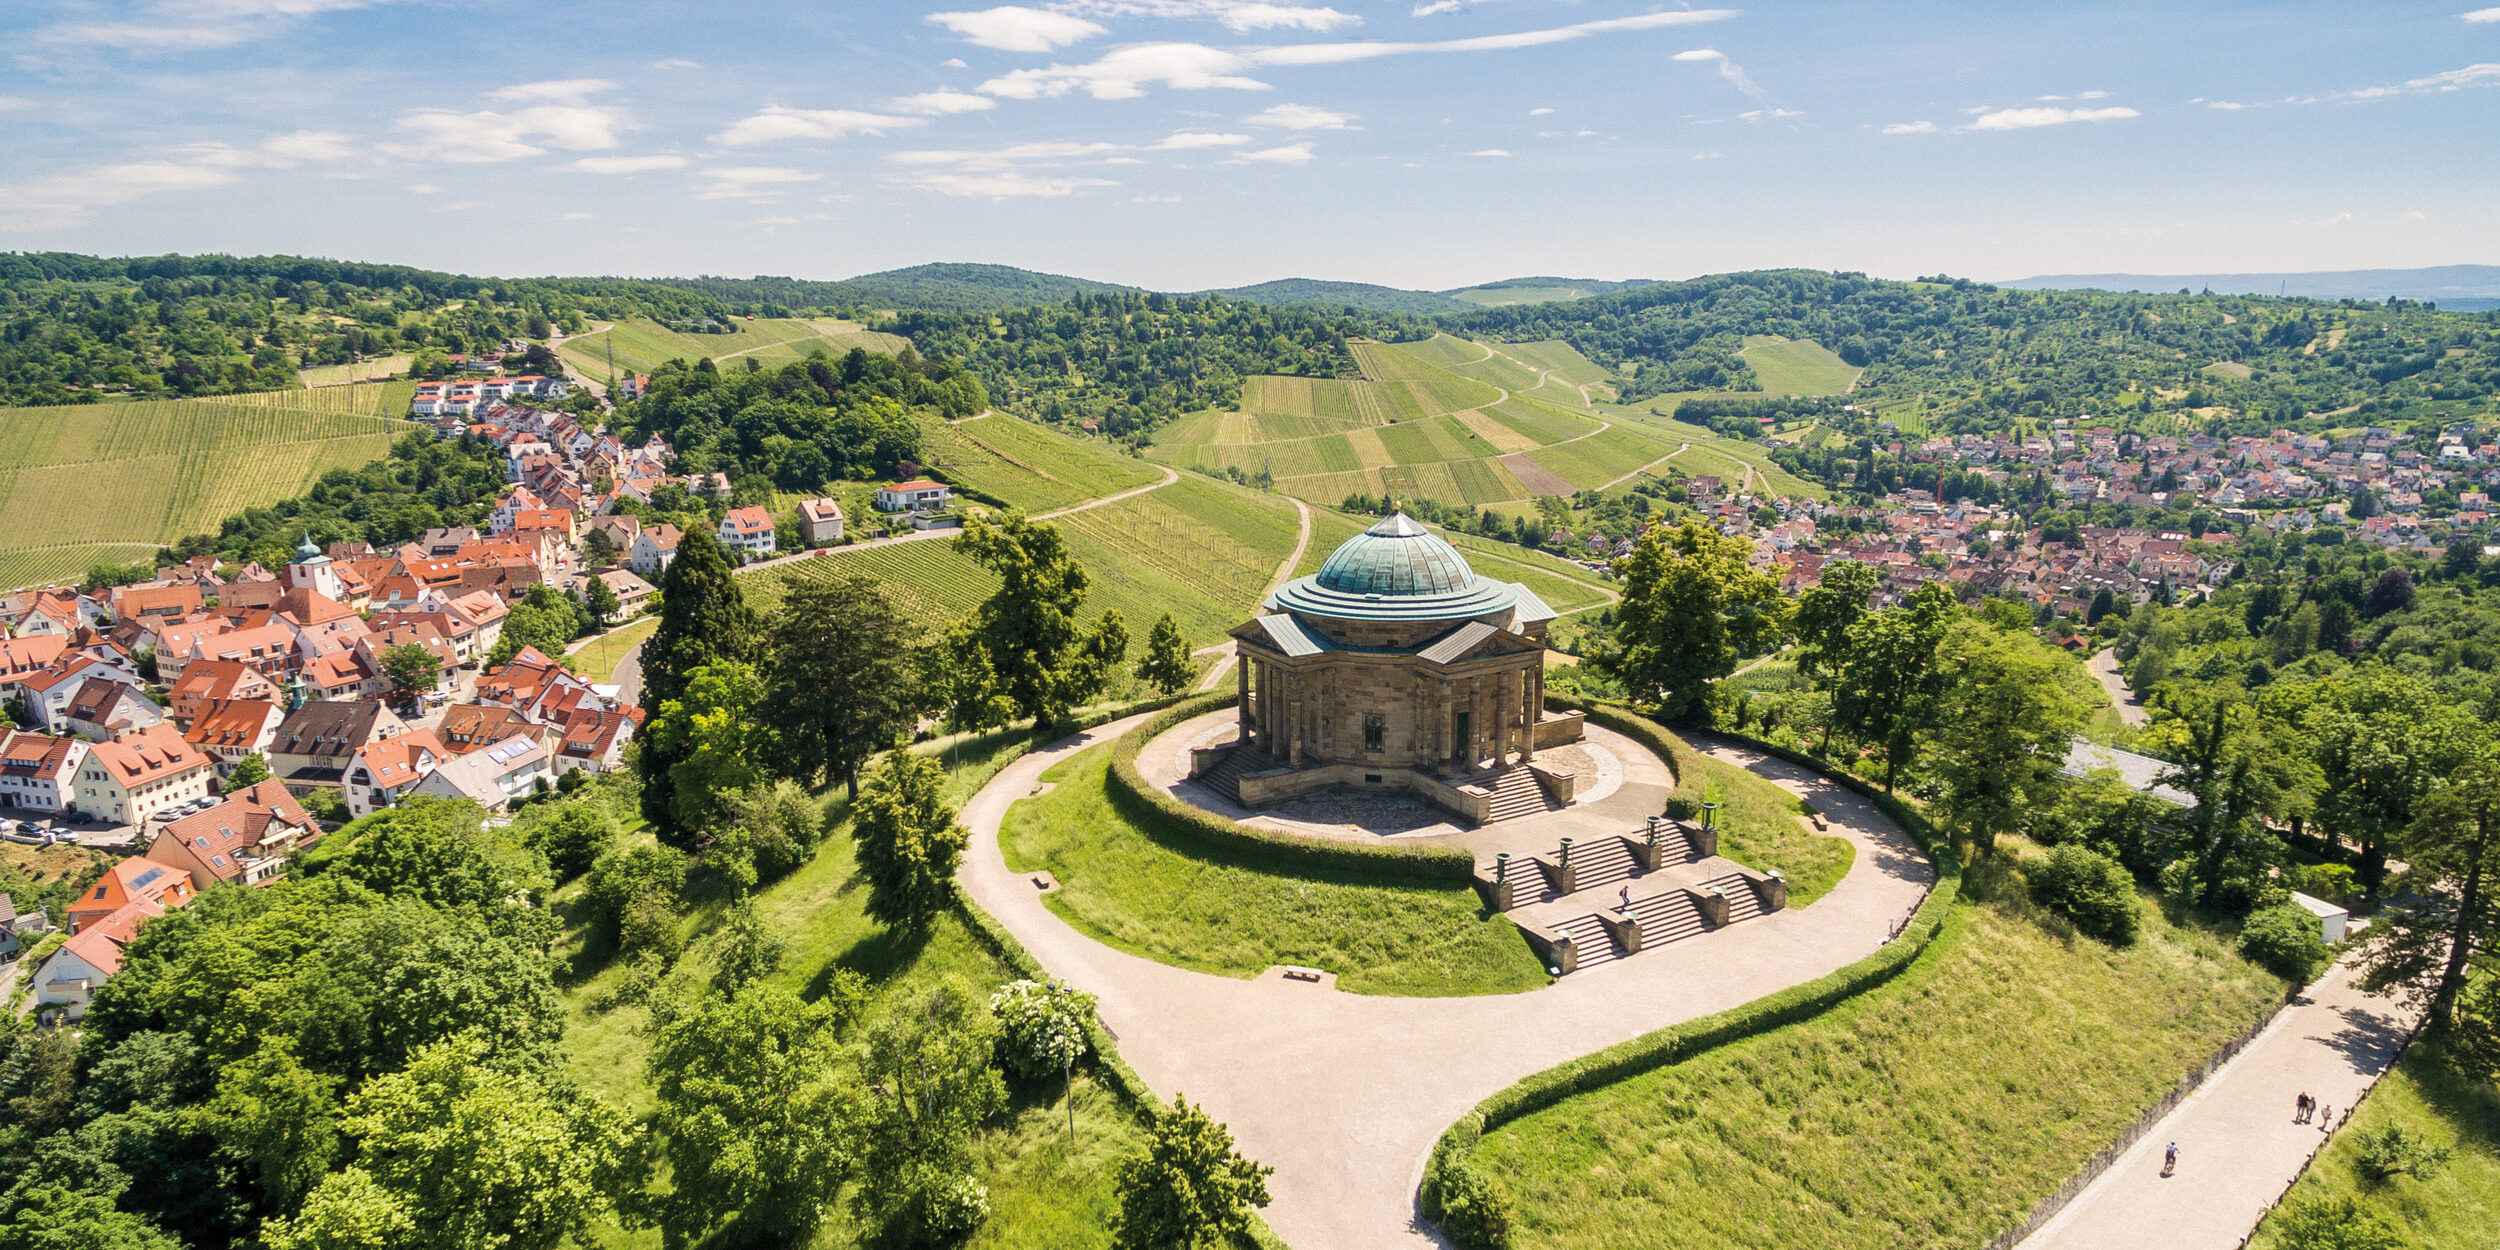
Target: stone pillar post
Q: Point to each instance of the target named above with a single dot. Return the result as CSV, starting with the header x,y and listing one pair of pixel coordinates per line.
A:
x,y
1472,750
1505,706
1267,708
1441,728
1534,710
1297,709
1241,688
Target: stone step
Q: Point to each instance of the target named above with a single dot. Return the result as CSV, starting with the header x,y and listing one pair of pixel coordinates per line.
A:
x,y
1589,935
1667,918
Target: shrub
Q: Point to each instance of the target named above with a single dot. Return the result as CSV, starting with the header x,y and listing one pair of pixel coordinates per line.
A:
x,y
2332,1224
2089,888
648,925
1041,1028
2393,1149
1470,1207
2284,939
626,873
572,835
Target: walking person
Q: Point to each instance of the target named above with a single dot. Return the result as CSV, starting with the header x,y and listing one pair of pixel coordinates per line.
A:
x,y
2326,1119
2170,1159
1627,898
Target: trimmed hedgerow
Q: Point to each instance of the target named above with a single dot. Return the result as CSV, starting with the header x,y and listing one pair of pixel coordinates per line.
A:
x,y
1150,808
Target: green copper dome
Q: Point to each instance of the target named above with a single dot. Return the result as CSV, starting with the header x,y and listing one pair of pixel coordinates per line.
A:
x,y
1396,570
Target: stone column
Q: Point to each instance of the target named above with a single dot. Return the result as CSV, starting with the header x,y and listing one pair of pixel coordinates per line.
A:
x,y
1241,688
1504,702
1295,708
1475,722
1441,729
1536,704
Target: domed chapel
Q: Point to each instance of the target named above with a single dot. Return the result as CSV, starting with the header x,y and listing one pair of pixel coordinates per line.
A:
x,y
1397,665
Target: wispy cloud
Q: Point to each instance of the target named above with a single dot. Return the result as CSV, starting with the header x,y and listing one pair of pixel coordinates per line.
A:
x,y
778,123
2028,119
1015,28
172,26
626,164
2479,16
1239,16
1289,154
69,198
1911,128
1125,73
676,62
944,103
2484,74
1300,117
1488,152
1735,75
15,104
757,183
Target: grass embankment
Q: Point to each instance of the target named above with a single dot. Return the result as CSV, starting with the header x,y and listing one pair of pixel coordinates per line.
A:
x,y
1194,909
1933,1111
597,661
2454,1210
1044,1193
1763,827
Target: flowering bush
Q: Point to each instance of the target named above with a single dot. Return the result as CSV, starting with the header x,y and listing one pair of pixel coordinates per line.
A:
x,y
1041,1028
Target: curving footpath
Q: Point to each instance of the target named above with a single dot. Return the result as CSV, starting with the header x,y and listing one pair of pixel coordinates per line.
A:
x,y
1344,1094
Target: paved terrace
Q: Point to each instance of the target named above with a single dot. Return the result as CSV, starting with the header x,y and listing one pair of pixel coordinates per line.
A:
x,y
1344,1094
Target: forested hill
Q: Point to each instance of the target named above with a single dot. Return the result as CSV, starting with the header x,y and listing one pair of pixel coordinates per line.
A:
x,y
934,288
1362,295
1975,356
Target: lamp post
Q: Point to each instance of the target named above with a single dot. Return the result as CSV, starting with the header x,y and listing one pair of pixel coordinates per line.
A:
x,y
1710,815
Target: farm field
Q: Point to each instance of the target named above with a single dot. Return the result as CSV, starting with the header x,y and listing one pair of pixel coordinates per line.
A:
x,y
1797,366
1712,452
378,369
1026,466
642,345
1797,1137
109,484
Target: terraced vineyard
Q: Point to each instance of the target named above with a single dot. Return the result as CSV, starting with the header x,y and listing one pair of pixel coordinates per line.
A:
x,y
1797,366
111,483
641,346
1199,549
1025,466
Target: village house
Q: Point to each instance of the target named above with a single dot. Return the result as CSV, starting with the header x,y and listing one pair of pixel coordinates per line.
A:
x,y
103,708
209,681
39,772
749,530
244,840
21,658
316,742
68,980
917,495
384,771
655,548
470,727
493,777
820,522
133,777
136,880
50,693
227,730
632,593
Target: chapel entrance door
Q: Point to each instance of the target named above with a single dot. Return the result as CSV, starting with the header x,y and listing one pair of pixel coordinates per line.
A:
x,y
1462,747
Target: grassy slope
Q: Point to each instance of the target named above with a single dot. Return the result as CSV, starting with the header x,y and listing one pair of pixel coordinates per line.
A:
x,y
111,483
1029,467
1184,907
642,345
1932,1112
1797,366
2456,1210
598,660
1760,826
1043,1194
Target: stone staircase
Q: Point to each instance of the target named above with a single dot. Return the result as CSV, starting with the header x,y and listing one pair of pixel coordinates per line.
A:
x,y
1589,938
1689,892
1225,778
1516,793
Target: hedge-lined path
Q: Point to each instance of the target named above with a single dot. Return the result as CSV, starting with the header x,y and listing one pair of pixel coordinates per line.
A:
x,y
2238,1146
1344,1094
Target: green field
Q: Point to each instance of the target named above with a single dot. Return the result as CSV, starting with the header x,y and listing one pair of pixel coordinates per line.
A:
x,y
1931,1112
377,369
1027,466
641,346
111,483
1194,909
1797,366
1198,549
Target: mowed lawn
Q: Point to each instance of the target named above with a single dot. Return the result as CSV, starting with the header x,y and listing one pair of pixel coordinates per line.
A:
x,y
110,483
1763,827
1931,1112
1045,1192
2459,1209
1185,906
1797,366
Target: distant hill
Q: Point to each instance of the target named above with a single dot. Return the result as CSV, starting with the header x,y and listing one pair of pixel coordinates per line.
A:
x,y
2461,287
930,288
1363,295
1540,290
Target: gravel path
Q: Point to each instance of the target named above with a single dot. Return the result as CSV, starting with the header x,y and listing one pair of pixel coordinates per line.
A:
x,y
1344,1094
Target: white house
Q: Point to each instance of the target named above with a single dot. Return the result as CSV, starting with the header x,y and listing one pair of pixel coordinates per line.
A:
x,y
137,775
749,530
493,777
917,495
655,548
37,772
821,519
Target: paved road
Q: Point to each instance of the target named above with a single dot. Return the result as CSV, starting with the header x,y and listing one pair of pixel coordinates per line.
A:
x,y
2238,1146
1344,1094
2104,667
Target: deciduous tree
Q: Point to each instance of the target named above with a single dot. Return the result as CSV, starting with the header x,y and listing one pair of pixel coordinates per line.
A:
x,y
1166,665
909,842
929,1088
2016,704
1691,607
1043,662
840,683
1189,1190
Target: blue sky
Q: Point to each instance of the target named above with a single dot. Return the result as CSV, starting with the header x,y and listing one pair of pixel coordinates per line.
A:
x,y
1192,143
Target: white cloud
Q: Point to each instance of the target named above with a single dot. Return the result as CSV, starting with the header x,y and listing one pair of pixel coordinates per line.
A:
x,y
2026,119
1290,154
555,91
997,186
1241,16
1300,117
776,123
2484,74
1437,7
676,62
1184,140
197,25
1705,156
944,103
2093,95
750,182
424,188
2481,15
2227,106
2415,214
954,62
1539,112
568,122
1015,28
626,164
1124,73
15,104
1489,152
1911,128
1735,75
69,198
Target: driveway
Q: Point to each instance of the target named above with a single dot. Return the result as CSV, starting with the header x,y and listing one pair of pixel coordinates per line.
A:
x,y
1344,1094
2104,668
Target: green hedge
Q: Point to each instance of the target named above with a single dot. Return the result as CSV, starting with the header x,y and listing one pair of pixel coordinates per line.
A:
x,y
1679,1042
1159,813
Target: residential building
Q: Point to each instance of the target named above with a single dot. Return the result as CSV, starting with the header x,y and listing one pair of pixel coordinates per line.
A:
x,y
210,681
475,726
103,708
227,730
139,880
493,777
39,772
916,495
21,658
749,530
244,840
595,740
655,548
48,694
317,741
632,593
820,522
69,979
384,771
135,776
